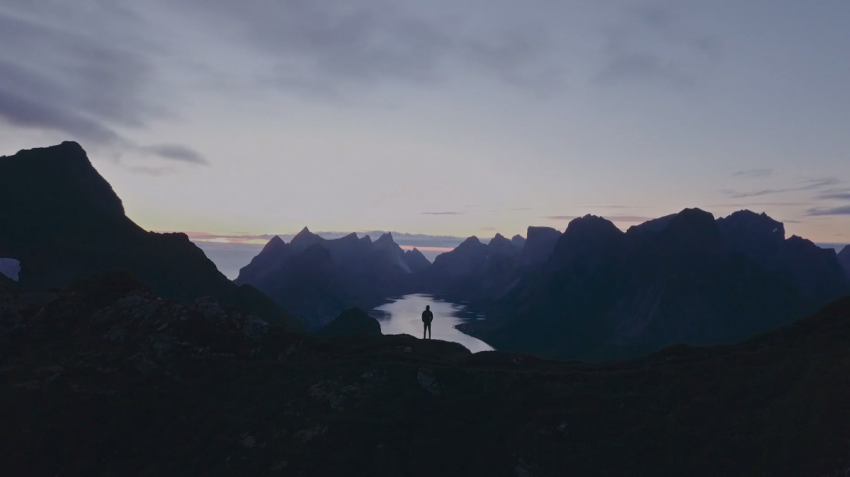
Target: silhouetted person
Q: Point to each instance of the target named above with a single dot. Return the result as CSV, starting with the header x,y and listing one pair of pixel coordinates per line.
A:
x,y
427,318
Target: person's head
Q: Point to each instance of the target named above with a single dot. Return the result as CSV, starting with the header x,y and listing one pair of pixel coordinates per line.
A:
x,y
427,307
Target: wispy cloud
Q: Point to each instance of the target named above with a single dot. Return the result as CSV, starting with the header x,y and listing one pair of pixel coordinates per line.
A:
x,y
806,185
152,171
561,217
176,152
651,44
443,213
824,211
86,80
761,204
754,173
335,50
835,194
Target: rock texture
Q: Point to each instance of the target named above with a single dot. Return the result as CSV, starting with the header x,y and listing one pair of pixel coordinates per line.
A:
x,y
104,378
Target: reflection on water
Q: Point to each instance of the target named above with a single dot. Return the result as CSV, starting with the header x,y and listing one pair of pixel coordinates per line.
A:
x,y
404,315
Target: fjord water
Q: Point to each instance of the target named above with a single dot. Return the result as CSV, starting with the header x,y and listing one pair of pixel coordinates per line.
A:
x,y
404,315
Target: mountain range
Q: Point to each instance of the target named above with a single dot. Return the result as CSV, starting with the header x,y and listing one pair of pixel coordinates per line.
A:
x,y
686,278
317,278
592,292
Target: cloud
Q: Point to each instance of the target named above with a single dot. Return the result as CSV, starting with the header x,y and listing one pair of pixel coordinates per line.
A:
x,y
443,213
823,211
332,50
761,204
835,194
84,80
806,185
754,173
152,171
176,152
652,44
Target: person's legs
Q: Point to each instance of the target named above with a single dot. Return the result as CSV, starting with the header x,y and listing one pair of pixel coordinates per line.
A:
x,y
424,330
428,327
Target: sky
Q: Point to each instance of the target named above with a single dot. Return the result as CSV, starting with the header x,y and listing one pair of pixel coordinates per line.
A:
x,y
461,117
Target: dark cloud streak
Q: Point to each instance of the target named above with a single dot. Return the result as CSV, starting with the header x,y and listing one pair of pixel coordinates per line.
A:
x,y
76,82
333,50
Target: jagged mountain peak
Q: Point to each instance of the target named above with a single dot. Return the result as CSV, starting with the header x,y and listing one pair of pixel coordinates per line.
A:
x,y
275,243
76,190
518,241
592,224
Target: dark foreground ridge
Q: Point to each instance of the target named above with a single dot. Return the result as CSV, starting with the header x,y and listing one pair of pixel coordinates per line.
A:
x,y
106,378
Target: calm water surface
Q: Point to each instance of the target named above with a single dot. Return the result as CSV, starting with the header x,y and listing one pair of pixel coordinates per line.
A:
x,y
404,316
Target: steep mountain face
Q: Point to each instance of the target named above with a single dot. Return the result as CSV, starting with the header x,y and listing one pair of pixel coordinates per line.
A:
x,y
538,246
473,271
107,379
416,262
814,271
317,278
66,223
605,294
270,258
844,260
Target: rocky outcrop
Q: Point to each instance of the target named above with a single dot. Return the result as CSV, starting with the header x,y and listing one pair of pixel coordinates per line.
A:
x,y
353,322
159,387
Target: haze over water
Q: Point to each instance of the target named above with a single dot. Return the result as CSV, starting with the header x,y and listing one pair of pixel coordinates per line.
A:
x,y
404,316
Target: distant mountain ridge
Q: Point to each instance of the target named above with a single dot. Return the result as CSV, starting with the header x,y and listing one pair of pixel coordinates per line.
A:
x,y
68,223
318,278
687,278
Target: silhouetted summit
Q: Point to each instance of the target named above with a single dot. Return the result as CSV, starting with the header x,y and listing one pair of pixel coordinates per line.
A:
x,y
539,243
66,223
518,241
812,270
499,245
353,322
416,261
588,239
